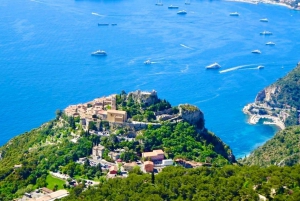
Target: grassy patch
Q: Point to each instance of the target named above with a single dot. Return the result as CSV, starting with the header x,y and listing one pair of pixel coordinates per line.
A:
x,y
52,181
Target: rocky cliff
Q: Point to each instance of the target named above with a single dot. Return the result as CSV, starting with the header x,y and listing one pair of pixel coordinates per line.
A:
x,y
147,98
192,114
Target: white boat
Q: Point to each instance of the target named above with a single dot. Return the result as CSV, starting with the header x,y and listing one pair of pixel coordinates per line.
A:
x,y
260,67
147,62
270,43
99,53
173,7
264,20
159,3
256,51
266,33
213,66
234,14
181,12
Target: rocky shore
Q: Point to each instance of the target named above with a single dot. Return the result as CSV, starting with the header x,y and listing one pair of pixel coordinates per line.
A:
x,y
268,2
264,109
254,118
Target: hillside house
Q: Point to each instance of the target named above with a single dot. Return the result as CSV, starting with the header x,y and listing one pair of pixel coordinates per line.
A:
x,y
148,166
98,151
155,155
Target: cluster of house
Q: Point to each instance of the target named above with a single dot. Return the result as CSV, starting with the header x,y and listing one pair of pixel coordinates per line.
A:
x,y
99,109
151,159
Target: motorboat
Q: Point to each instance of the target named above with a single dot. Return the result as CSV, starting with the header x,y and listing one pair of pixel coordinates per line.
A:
x,y
173,7
260,67
114,24
99,53
256,51
213,66
266,33
270,43
147,62
181,12
264,20
234,14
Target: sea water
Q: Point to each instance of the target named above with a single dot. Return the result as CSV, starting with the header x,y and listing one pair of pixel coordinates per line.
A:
x,y
46,62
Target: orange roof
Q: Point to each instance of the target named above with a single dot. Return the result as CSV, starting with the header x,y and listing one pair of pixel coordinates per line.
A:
x,y
159,151
148,163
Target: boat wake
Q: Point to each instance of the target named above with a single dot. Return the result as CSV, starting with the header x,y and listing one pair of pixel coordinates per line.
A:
x,y
182,45
37,1
236,68
186,69
97,14
207,99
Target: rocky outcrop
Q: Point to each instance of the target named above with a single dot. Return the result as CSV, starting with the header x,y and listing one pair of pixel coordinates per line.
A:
x,y
147,98
267,94
192,115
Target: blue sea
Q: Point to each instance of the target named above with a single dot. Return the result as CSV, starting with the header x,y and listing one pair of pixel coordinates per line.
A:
x,y
46,62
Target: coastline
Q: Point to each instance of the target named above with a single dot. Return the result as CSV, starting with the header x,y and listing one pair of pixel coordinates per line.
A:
x,y
265,2
254,118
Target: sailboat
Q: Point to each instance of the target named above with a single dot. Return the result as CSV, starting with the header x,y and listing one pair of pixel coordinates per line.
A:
x,y
187,2
159,3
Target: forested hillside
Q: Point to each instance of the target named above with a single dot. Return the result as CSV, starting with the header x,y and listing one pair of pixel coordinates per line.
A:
x,y
229,183
282,149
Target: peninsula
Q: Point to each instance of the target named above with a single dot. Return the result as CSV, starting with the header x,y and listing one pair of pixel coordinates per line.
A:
x,y
278,103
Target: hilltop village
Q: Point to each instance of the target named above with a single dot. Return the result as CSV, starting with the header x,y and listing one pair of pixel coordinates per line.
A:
x,y
111,137
102,117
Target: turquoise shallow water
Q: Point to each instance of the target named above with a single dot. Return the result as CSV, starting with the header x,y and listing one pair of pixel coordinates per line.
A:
x,y
45,61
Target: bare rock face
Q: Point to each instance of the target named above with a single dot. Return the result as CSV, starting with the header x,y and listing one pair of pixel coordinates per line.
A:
x,y
147,98
192,114
267,94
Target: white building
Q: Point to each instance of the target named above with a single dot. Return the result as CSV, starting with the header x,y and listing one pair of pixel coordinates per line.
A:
x,y
167,162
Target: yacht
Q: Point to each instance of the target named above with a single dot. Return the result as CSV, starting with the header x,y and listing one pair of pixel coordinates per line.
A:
x,y
260,67
264,20
270,43
182,12
266,33
213,66
256,52
147,62
234,14
99,53
159,3
173,7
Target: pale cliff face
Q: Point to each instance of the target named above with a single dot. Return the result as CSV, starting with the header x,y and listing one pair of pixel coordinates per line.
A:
x,y
267,94
193,116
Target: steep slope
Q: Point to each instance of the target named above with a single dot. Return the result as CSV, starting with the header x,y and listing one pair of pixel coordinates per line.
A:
x,y
26,160
283,149
279,103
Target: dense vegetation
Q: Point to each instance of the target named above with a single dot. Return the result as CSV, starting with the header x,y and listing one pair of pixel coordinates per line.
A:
x,y
222,184
282,149
141,111
290,88
288,95
52,148
39,151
